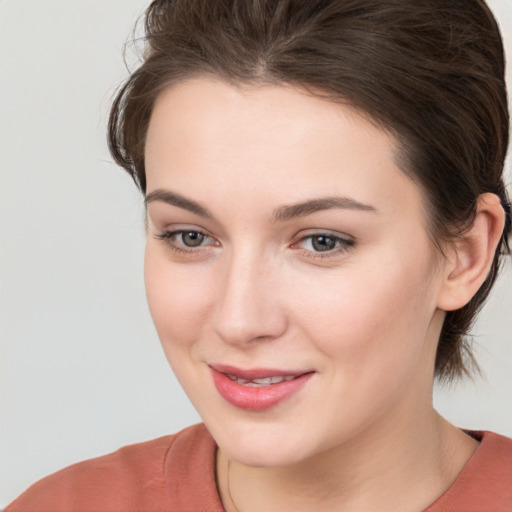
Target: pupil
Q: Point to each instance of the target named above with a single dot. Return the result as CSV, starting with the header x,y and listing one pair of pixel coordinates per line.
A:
x,y
323,243
192,238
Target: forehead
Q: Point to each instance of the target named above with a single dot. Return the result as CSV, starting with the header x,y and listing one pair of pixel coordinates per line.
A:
x,y
273,142
278,115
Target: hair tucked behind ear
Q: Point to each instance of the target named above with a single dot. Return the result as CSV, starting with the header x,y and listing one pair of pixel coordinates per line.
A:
x,y
431,72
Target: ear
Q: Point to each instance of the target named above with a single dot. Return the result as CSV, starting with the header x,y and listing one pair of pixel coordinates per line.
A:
x,y
469,261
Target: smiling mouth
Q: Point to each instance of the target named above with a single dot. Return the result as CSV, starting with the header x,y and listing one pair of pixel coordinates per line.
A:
x,y
257,389
259,383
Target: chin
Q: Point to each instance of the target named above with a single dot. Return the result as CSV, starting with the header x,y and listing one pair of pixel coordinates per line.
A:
x,y
262,444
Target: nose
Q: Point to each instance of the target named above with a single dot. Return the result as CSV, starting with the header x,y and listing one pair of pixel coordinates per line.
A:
x,y
248,308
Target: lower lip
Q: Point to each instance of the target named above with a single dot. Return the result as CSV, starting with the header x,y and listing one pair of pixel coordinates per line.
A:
x,y
256,398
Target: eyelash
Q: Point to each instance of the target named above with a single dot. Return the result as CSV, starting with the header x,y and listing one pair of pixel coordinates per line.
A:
x,y
342,244
168,236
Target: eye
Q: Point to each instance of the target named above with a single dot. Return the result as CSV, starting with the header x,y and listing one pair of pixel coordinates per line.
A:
x,y
185,240
191,238
324,244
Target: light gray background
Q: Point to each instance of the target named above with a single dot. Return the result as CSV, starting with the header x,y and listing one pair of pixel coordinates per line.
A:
x,y
82,371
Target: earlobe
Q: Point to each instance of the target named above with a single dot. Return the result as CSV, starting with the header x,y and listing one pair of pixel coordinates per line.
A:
x,y
471,257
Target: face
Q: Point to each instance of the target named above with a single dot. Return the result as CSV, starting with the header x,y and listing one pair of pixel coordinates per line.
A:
x,y
288,270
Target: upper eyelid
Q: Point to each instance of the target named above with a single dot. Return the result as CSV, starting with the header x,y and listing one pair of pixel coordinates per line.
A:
x,y
173,232
299,236
176,230
324,232
345,241
167,236
168,233
165,224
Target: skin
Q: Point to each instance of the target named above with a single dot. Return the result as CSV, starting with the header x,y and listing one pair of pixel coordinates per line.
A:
x,y
365,317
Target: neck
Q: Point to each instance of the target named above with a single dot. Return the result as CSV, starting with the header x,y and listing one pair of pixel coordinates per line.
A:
x,y
421,458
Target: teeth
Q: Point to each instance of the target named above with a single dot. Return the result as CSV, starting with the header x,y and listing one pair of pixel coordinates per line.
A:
x,y
257,383
267,381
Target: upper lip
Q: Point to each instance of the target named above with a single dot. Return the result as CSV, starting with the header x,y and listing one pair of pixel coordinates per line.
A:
x,y
256,373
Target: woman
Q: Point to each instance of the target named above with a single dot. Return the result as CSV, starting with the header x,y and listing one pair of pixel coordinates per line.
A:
x,y
326,214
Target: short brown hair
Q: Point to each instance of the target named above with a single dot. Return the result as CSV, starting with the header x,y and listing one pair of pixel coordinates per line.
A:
x,y
431,72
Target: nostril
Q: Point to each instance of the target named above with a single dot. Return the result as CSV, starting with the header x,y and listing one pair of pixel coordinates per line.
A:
x,y
239,327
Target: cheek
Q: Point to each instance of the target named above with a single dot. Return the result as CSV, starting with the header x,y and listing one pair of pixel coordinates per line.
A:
x,y
178,300
373,315
372,325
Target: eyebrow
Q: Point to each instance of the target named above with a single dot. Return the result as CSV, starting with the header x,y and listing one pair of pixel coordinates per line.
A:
x,y
168,197
281,214
292,211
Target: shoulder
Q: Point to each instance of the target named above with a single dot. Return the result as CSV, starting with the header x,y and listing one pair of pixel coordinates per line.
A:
x,y
135,477
485,483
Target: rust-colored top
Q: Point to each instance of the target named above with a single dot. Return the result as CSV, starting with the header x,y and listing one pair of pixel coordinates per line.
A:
x,y
177,474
